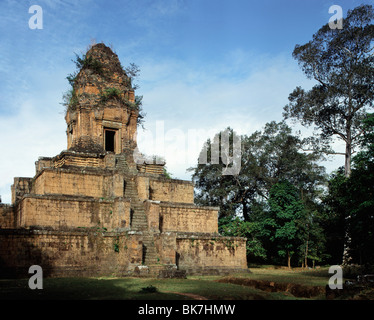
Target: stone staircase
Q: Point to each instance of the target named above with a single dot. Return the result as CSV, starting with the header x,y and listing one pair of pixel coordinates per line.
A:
x,y
125,162
138,222
121,163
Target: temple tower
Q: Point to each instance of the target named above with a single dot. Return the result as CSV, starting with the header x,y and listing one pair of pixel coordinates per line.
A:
x,y
102,113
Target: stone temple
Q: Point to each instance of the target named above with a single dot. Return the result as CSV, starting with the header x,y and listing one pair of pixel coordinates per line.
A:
x,y
92,210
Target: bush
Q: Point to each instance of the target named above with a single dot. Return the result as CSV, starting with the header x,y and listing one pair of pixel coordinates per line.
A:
x,y
149,289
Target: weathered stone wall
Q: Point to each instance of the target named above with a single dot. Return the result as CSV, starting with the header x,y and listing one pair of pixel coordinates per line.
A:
x,y
19,187
81,161
43,162
171,190
198,254
163,189
142,183
7,217
166,244
188,218
61,212
99,184
88,127
156,169
153,216
68,253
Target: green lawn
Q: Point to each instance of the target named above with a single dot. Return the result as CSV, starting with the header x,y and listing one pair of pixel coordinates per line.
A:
x,y
308,277
123,289
167,289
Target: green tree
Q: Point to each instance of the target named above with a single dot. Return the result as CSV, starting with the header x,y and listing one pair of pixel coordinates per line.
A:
x,y
267,156
230,192
341,61
334,216
349,223
313,241
285,222
360,200
237,227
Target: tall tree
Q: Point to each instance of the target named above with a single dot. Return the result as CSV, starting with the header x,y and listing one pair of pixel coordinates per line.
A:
x,y
342,63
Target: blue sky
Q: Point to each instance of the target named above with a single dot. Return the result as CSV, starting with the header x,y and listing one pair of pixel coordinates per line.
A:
x,y
205,65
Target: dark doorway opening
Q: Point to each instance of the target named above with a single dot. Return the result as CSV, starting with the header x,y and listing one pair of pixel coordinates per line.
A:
x,y
110,140
144,254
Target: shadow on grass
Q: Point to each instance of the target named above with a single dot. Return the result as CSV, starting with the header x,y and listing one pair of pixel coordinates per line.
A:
x,y
81,289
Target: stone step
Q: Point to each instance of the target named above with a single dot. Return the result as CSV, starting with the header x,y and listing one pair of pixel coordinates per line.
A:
x,y
139,228
142,226
139,222
150,258
139,214
150,247
136,218
154,269
139,217
139,225
137,207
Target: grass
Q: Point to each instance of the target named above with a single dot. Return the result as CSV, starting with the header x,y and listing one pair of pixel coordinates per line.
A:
x,y
107,288
122,289
311,277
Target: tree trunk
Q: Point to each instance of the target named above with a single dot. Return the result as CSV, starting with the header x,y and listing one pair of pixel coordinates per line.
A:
x,y
348,155
306,247
245,211
306,254
288,260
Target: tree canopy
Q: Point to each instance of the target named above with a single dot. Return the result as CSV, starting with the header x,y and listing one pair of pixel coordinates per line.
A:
x,y
341,61
267,156
246,200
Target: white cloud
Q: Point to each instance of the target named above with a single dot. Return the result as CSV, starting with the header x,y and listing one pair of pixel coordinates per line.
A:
x,y
26,135
211,99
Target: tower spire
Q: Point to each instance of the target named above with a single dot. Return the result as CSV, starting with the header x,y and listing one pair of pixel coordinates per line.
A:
x,y
102,114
